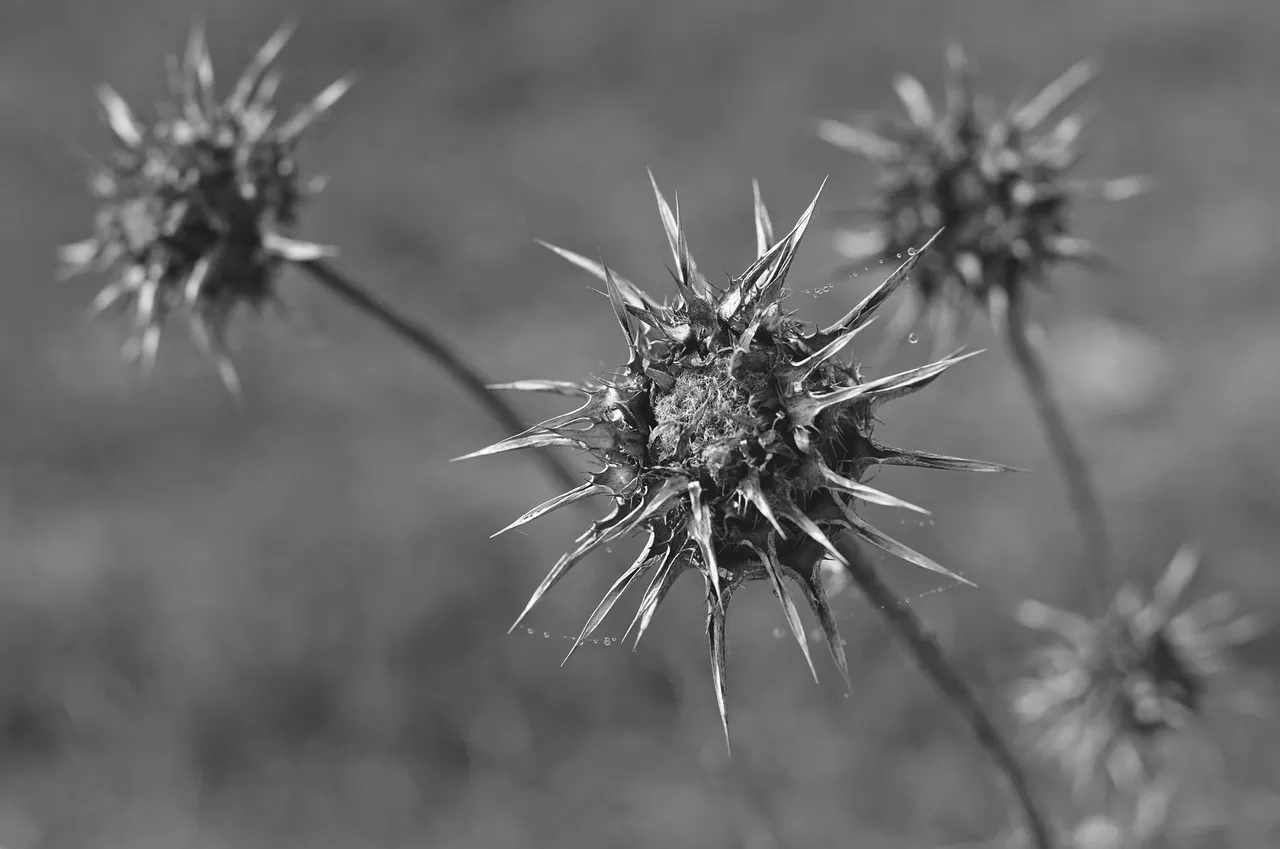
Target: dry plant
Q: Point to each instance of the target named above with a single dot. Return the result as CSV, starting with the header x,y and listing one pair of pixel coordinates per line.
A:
x,y
734,437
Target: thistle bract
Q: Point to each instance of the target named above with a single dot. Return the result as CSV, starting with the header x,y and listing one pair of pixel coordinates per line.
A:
x,y
193,205
1106,694
996,182
733,437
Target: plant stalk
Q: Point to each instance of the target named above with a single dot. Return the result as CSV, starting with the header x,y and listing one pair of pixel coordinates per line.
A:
x,y
426,342
1080,489
949,681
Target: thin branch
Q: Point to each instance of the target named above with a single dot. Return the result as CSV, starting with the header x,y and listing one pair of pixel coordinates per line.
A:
x,y
426,342
1080,489
949,681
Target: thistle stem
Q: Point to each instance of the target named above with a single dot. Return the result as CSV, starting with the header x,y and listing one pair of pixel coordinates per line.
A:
x,y
426,342
949,681
1080,489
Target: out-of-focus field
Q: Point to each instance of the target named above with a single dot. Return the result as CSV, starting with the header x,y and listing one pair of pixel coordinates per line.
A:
x,y
287,628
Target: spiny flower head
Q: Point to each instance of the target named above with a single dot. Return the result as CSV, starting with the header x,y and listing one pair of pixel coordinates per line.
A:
x,y
1111,689
996,182
733,438
192,205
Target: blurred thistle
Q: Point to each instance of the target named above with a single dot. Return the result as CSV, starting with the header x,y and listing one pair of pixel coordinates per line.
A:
x,y
1111,691
997,184
736,440
195,205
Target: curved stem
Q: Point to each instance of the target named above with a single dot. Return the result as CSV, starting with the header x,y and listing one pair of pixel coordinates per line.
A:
x,y
1080,489
430,345
949,681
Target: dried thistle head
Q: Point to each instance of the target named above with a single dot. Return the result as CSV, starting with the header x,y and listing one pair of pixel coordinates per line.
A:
x,y
1111,690
733,437
996,182
193,205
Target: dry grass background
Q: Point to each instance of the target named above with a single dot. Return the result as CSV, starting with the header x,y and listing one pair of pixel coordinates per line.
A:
x,y
287,628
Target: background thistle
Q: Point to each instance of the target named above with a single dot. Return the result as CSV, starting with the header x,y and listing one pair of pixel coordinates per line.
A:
x,y
1111,690
998,185
192,212
193,205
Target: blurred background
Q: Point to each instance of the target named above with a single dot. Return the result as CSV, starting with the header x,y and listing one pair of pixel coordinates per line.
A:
x,y
287,626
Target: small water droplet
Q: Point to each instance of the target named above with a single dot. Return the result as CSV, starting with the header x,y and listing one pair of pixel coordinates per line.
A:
x,y
530,630
608,640
546,635
899,256
911,251
595,642
912,338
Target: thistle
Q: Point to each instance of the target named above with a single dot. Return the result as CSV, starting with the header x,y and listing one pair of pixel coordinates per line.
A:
x,y
194,205
194,212
733,438
1111,690
998,185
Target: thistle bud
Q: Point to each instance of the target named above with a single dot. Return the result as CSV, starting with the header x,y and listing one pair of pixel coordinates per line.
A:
x,y
996,183
194,205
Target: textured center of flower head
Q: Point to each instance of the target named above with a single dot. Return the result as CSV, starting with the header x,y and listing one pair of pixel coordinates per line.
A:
x,y
703,420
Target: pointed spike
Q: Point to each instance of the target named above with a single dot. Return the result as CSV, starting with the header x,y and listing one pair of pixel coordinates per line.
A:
x,y
253,73
1114,189
555,387
862,312
924,460
1041,617
625,580
319,105
626,320
914,99
765,277
769,557
764,226
799,371
663,580
688,277
295,250
750,487
1054,95
573,496
883,541
127,129
517,443
958,81
208,338
633,294
862,491
815,594
1076,249
1176,579
716,644
858,140
563,565
700,530
795,515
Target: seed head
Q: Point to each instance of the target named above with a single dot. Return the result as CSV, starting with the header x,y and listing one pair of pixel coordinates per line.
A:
x,y
733,437
193,205
1111,690
996,183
